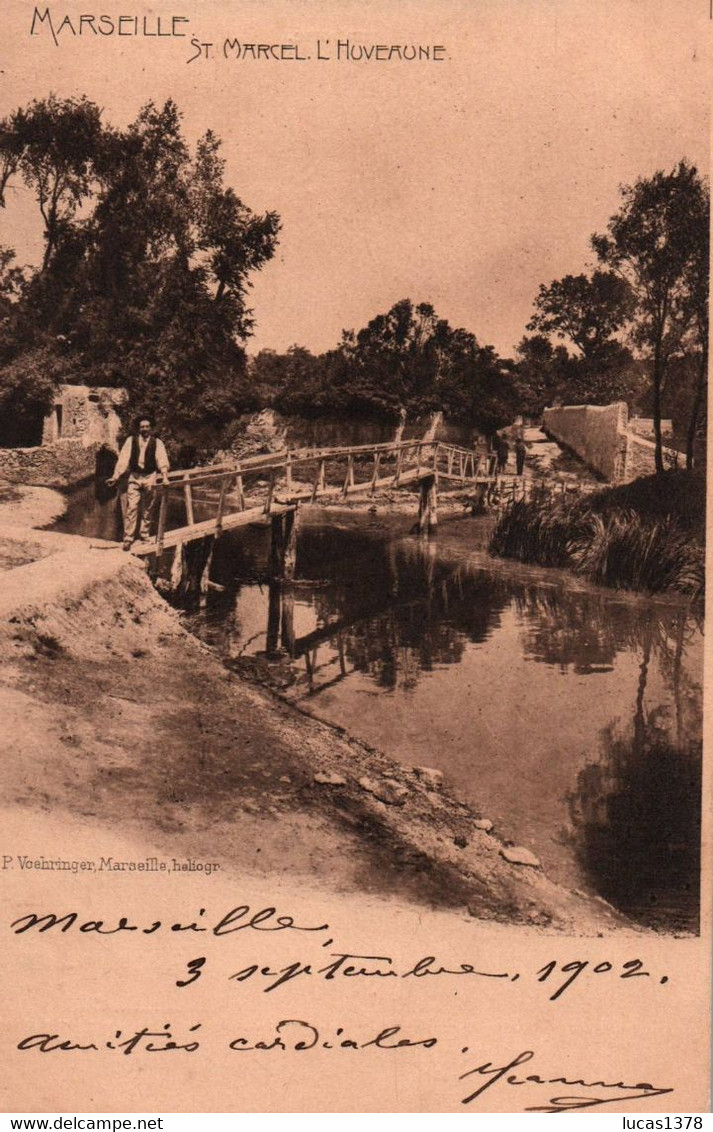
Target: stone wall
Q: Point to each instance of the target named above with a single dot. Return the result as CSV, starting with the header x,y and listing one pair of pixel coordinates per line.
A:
x,y
641,458
603,437
644,426
52,465
596,433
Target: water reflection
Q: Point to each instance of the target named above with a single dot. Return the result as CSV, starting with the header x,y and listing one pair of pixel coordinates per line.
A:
x,y
571,717
637,809
637,815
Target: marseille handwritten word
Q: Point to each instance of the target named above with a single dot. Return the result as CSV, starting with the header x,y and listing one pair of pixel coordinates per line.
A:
x,y
237,919
64,26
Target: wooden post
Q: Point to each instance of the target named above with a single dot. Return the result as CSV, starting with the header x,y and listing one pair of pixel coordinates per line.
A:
x,y
319,481
163,507
276,546
427,505
288,472
349,478
177,567
188,496
205,574
450,461
241,493
399,461
273,618
289,544
283,545
221,506
374,478
270,492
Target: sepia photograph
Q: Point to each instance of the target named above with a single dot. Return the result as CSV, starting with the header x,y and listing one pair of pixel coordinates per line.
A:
x,y
353,430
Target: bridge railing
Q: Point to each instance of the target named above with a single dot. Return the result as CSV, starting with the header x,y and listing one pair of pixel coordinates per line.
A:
x,y
241,491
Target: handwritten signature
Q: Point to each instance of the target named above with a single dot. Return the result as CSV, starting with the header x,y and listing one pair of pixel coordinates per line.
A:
x,y
502,1074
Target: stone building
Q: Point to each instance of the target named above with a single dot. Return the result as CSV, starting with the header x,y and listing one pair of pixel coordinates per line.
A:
x,y
82,422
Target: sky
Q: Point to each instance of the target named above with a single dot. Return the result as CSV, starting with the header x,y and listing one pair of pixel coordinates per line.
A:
x,y
465,183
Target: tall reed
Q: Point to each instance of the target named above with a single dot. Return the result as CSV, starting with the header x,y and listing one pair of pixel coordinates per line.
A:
x,y
619,548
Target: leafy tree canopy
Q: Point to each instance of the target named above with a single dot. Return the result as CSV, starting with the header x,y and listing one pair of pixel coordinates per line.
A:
x,y
588,310
407,359
655,243
147,258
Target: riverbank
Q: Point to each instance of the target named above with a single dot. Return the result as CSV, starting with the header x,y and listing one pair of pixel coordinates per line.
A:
x,y
116,716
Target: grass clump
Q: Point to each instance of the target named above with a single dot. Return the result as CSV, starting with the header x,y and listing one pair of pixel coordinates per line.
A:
x,y
617,547
539,531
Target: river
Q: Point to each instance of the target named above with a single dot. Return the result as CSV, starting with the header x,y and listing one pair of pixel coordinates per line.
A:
x,y
569,716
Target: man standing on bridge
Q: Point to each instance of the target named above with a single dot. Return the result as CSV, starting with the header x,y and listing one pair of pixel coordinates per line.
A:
x,y
143,456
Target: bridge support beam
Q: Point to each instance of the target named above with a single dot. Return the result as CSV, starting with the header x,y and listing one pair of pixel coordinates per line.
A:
x,y
427,506
190,571
283,545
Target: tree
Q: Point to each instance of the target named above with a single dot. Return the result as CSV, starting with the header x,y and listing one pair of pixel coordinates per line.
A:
x,y
544,373
653,242
411,360
696,317
27,390
147,262
589,310
52,144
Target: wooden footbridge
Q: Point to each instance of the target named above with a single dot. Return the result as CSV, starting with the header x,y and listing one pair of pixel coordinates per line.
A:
x,y
271,488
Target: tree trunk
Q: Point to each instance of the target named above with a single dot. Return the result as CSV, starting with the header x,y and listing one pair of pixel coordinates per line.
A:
x,y
695,411
657,376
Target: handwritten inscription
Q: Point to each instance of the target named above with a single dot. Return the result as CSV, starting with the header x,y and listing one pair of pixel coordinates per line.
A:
x,y
495,1074
237,919
297,1036
558,978
516,1079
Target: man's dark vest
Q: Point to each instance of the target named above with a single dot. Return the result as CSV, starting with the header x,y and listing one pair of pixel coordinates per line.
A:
x,y
149,457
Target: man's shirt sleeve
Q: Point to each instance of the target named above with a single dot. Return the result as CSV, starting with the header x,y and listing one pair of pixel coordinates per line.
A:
x,y
161,458
122,463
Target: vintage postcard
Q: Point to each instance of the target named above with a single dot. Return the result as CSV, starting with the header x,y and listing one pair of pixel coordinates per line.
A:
x,y
353,428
